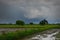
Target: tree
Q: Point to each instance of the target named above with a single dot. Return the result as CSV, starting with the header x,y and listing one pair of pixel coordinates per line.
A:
x,y
31,23
43,22
20,22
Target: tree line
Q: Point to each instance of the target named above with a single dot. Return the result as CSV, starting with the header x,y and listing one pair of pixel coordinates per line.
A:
x,y
20,22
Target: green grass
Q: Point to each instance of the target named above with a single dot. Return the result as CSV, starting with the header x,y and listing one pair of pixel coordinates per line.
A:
x,y
19,34
25,26
23,33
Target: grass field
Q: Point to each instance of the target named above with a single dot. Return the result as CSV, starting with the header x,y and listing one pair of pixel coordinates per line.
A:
x,y
26,26
23,33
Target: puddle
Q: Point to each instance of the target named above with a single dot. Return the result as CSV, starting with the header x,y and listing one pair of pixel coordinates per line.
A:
x,y
47,37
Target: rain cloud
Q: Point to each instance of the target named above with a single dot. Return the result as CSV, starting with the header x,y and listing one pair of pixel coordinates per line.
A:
x,y
30,9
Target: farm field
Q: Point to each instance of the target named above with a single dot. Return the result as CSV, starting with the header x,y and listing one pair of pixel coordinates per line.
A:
x,y
27,26
21,31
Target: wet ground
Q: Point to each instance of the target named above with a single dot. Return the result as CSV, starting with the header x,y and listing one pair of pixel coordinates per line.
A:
x,y
45,35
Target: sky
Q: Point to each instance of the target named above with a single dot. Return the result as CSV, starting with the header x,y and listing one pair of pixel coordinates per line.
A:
x,y
29,11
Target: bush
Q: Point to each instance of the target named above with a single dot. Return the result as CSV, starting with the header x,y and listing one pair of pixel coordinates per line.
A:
x,y
20,22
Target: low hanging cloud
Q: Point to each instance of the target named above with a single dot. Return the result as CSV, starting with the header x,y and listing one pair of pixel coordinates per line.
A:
x,y
30,9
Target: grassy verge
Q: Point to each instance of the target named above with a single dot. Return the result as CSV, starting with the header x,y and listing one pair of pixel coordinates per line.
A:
x,y
23,33
25,26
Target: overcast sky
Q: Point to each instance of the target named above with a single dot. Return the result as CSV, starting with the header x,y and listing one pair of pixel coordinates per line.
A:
x,y
29,10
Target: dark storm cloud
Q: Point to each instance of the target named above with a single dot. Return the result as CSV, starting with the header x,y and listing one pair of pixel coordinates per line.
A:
x,y
3,8
8,11
30,9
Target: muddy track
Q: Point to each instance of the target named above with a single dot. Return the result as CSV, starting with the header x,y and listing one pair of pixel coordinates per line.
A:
x,y
44,32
